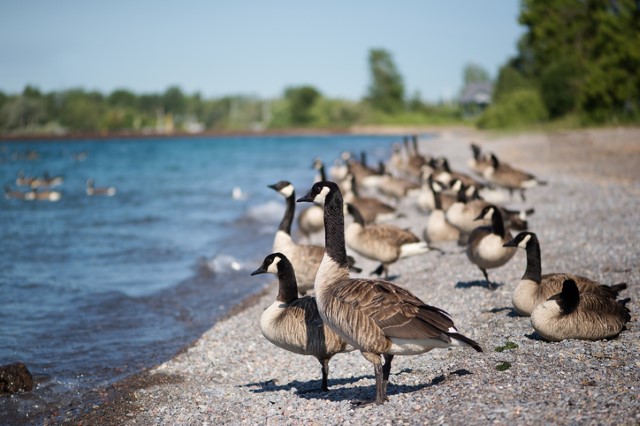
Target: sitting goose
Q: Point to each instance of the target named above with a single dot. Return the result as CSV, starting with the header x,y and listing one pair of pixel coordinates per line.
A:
x,y
371,209
293,323
485,248
381,241
535,288
571,314
375,316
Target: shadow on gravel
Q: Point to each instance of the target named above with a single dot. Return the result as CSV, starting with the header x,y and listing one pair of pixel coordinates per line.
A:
x,y
311,389
478,283
511,312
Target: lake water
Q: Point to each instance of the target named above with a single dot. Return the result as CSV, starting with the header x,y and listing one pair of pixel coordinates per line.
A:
x,y
93,289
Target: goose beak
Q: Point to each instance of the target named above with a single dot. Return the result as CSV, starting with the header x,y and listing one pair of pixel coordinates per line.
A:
x,y
511,243
308,198
260,270
274,186
480,217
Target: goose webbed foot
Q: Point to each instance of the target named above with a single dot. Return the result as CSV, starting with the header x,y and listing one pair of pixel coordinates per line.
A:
x,y
379,270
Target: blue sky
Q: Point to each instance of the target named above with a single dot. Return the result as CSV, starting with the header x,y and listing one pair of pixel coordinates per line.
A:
x,y
250,47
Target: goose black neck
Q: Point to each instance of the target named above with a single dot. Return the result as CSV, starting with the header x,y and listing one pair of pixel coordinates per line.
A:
x,y
287,219
497,224
569,297
357,216
288,287
323,175
461,196
334,230
437,198
354,186
534,266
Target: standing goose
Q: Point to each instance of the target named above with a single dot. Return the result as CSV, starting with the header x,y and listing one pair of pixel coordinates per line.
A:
x,y
510,178
304,257
571,314
381,241
485,248
535,288
310,220
374,316
480,161
438,229
371,209
293,323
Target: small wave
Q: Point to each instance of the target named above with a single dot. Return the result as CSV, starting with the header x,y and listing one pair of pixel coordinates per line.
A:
x,y
220,263
268,212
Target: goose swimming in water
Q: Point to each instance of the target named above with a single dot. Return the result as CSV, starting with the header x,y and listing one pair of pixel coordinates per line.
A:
x,y
375,316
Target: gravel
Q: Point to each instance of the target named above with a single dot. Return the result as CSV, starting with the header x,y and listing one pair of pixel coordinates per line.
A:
x,y
587,223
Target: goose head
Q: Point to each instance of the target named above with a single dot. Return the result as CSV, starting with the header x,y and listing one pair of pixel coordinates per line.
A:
x,y
269,265
522,240
283,187
487,212
320,193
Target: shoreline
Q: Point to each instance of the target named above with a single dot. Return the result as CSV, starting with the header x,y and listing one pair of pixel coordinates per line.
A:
x,y
609,160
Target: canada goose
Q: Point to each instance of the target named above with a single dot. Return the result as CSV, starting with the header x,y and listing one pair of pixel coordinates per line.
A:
x,y
510,178
443,173
372,209
485,248
479,162
304,257
425,199
381,241
22,180
44,195
463,213
293,323
395,187
416,161
10,194
374,316
535,288
107,191
310,220
571,314
438,229
47,181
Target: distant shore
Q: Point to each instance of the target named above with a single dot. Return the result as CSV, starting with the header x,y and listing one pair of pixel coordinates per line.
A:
x,y
356,130
586,219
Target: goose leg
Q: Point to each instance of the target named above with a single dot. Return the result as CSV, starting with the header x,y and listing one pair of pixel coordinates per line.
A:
x,y
325,375
386,370
379,270
522,195
380,389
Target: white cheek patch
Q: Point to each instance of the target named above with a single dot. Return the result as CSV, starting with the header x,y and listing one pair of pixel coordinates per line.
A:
x,y
525,240
322,196
489,214
273,268
287,191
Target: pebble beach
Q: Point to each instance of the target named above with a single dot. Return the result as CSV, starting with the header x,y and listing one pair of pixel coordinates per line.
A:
x,y
586,219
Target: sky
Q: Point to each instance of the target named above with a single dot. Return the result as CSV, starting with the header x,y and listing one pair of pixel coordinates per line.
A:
x,y
255,48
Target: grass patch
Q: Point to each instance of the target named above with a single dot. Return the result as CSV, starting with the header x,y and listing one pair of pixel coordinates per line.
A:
x,y
507,347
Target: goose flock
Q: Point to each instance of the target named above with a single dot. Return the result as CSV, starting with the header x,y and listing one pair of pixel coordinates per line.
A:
x,y
337,312
43,188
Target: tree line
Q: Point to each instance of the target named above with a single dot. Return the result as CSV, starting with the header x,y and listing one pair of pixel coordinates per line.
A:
x,y
577,64
122,111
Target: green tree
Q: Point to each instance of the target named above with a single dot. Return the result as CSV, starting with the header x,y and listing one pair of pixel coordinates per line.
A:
x,y
82,111
173,101
22,112
386,92
474,73
301,102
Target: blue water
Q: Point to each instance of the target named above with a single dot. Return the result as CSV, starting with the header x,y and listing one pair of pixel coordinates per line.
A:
x,y
94,289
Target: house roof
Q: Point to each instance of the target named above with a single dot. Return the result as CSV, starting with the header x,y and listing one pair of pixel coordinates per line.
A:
x,y
478,92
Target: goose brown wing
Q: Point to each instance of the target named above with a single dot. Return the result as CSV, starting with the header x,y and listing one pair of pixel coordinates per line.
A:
x,y
603,305
391,233
395,311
